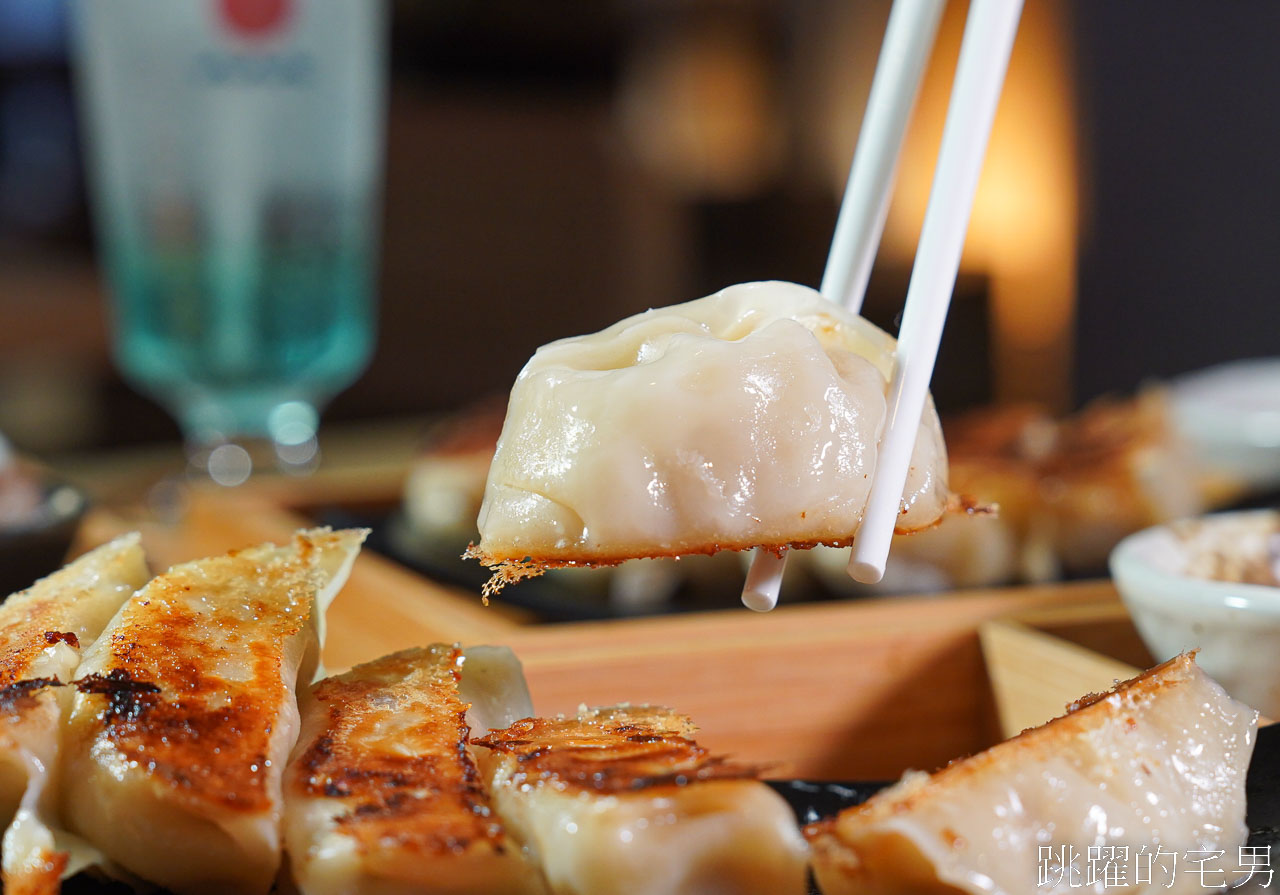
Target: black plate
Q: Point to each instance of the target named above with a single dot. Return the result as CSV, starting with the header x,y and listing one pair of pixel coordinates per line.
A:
x,y
812,801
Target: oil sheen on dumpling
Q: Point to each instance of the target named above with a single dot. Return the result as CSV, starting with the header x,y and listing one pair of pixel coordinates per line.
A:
x,y
382,796
750,417
186,711
42,632
1159,762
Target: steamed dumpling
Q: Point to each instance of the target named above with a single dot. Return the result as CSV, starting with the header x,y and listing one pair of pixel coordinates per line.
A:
x,y
186,712
42,632
750,417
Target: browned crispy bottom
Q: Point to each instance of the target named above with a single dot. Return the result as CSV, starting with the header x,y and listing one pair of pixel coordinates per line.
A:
x,y
391,752
511,569
611,750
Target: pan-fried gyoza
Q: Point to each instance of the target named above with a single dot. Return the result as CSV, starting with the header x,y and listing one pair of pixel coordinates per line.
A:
x,y
42,633
427,771
186,712
382,796
615,801
1160,761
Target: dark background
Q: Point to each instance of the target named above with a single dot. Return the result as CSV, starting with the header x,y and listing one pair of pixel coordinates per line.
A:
x,y
515,212
1180,267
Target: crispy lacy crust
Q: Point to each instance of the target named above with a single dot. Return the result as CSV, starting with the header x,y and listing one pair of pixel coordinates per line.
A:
x,y
1087,713
611,750
510,569
163,701
392,749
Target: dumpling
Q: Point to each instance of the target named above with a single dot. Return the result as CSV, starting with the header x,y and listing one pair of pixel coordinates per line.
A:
x,y
622,801
42,632
1068,490
1160,761
747,418
493,686
186,712
382,796
1118,467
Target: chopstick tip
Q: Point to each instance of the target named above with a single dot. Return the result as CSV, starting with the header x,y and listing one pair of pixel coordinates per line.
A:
x,y
764,580
865,571
759,600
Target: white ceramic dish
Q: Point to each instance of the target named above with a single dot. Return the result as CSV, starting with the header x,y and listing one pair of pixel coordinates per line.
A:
x,y
1235,626
1231,416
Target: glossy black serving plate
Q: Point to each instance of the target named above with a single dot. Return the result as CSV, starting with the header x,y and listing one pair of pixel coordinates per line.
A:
x,y
815,800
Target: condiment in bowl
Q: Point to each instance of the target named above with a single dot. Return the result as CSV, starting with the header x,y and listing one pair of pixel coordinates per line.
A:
x,y
1211,583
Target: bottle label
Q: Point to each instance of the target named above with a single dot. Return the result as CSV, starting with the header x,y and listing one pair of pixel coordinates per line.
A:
x,y
252,53
254,19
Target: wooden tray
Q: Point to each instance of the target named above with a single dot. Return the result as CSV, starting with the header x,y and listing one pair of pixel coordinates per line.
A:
x,y
856,690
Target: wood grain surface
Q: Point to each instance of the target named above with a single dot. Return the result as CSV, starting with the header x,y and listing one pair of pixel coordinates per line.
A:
x,y
851,690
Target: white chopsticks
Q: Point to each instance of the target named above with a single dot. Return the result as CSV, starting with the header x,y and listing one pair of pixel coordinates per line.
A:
x,y
984,58
908,41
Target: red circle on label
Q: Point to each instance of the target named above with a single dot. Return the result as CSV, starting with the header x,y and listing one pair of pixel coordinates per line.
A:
x,y
255,18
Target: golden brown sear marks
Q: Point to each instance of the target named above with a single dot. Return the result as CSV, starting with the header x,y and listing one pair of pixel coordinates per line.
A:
x,y
194,682
393,750
31,622
67,637
49,612
22,694
611,750
126,698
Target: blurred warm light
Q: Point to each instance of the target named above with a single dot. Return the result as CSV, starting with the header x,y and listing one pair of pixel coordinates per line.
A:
x,y
1023,233
699,106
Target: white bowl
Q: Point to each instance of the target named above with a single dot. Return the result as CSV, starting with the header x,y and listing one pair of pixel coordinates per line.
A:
x,y
1235,626
1230,414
